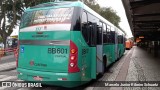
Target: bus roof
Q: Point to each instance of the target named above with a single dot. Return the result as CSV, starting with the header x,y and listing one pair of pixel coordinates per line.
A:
x,y
62,4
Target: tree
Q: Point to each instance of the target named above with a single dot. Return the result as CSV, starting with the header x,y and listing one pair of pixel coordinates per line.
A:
x,y
1,39
10,12
110,15
106,12
93,5
34,2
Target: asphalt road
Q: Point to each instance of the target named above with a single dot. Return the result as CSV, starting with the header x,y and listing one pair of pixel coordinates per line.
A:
x,y
123,69
7,63
8,73
7,59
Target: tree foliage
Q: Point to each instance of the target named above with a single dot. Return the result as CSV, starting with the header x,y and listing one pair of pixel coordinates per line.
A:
x,y
106,12
93,5
31,3
1,39
10,13
110,15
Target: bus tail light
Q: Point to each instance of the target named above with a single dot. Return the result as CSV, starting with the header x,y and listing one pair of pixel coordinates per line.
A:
x,y
71,64
73,51
73,58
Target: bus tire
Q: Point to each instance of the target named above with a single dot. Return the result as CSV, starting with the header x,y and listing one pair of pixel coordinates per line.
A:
x,y
119,54
105,63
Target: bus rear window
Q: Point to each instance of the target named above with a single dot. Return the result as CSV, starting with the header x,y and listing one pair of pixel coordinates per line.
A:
x,y
48,16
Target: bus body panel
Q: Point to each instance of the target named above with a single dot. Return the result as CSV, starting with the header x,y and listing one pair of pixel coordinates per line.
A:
x,y
121,49
85,54
47,35
54,66
109,50
44,58
84,61
40,52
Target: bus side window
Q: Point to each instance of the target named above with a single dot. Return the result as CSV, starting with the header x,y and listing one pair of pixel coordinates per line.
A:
x,y
85,27
104,33
120,39
99,34
108,34
112,37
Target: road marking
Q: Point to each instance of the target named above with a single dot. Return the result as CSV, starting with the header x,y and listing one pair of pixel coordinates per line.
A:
x,y
25,89
7,57
8,78
7,65
2,76
5,79
2,88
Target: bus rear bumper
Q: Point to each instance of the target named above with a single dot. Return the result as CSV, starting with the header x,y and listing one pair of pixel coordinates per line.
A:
x,y
50,78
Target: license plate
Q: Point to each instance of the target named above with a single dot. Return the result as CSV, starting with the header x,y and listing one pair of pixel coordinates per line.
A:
x,y
37,78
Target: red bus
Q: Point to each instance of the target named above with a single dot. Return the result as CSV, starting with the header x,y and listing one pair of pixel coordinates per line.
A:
x,y
129,44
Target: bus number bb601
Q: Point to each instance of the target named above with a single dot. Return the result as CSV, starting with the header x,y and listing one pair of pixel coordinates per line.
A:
x,y
57,51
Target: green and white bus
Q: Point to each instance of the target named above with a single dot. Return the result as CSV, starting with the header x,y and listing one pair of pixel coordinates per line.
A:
x,y
66,41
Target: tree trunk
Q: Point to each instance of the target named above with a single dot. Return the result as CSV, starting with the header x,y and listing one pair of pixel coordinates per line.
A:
x,y
4,42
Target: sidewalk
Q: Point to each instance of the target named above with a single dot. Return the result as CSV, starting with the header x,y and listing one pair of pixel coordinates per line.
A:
x,y
142,66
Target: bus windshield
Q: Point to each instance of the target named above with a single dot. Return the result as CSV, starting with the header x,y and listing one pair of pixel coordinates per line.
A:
x,y
47,16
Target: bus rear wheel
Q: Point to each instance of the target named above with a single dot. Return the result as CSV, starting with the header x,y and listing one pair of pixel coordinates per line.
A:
x,y
105,63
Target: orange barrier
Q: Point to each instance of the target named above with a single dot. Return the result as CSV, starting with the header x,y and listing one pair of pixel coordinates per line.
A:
x,y
2,51
16,53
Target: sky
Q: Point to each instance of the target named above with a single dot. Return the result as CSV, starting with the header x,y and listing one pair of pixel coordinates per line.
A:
x,y
118,7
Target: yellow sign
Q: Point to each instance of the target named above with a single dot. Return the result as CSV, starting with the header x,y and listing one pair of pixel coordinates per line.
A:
x,y
14,36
